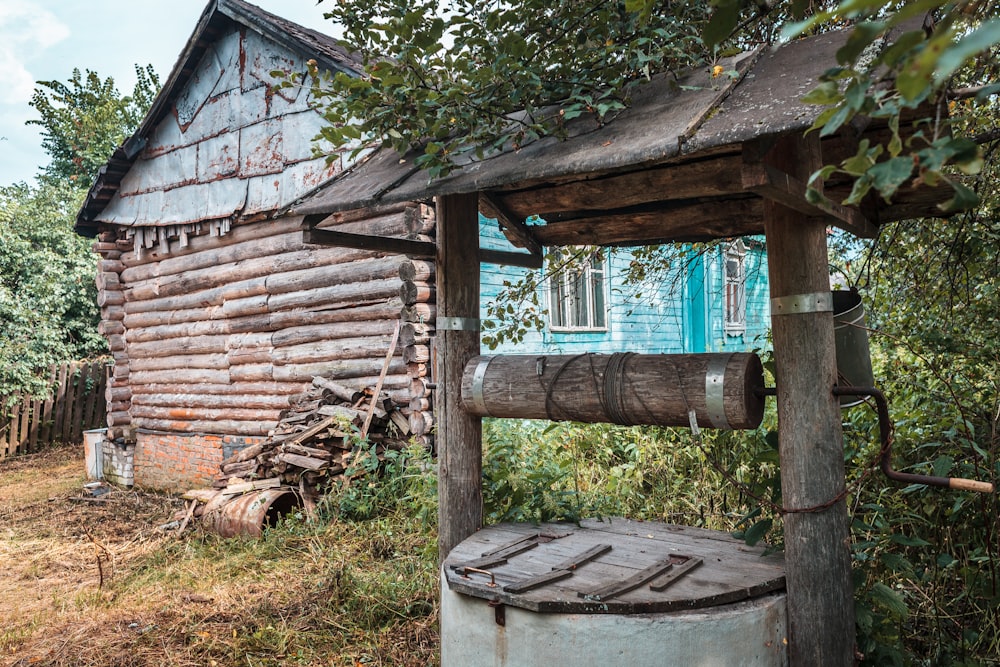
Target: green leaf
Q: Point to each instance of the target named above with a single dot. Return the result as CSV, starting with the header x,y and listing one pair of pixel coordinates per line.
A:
x,y
723,22
964,199
889,600
756,532
978,41
889,175
943,465
861,37
856,94
823,94
902,46
908,541
839,117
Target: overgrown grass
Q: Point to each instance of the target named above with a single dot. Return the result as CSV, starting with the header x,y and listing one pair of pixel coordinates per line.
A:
x,y
330,591
358,584
536,471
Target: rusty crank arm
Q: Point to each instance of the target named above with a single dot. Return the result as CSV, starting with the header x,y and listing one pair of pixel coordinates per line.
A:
x,y
885,434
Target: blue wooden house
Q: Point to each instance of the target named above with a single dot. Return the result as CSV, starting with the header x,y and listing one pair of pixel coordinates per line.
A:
x,y
712,299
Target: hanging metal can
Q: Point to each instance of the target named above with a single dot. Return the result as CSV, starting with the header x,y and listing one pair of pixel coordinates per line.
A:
x,y
850,330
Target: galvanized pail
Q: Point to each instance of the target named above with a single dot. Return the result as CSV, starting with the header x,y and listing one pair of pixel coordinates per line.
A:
x,y
854,363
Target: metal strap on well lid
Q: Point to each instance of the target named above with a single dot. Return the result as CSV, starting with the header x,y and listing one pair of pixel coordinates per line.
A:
x,y
794,304
715,379
457,324
477,385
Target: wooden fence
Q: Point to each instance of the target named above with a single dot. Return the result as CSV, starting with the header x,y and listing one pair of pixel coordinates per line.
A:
x,y
76,404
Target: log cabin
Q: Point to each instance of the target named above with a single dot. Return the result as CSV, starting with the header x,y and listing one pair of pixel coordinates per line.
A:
x,y
217,309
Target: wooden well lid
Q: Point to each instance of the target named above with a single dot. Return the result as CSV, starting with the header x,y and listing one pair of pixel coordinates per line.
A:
x,y
614,566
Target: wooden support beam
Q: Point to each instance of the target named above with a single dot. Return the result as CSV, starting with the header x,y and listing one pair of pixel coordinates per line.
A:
x,y
783,188
512,225
718,177
329,237
522,259
656,223
817,538
789,190
459,435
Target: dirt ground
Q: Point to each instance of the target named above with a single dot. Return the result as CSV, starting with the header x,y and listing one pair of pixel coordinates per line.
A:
x,y
60,548
99,582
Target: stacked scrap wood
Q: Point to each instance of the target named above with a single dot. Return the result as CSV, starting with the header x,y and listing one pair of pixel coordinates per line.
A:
x,y
312,444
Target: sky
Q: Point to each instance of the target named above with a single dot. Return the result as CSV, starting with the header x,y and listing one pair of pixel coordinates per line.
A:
x,y
43,40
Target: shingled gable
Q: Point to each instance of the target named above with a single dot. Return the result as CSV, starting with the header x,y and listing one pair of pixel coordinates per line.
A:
x,y
682,163
216,120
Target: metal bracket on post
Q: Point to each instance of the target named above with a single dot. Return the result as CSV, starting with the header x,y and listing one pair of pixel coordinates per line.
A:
x,y
795,304
457,324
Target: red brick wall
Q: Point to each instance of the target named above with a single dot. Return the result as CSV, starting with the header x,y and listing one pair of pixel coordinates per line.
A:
x,y
179,461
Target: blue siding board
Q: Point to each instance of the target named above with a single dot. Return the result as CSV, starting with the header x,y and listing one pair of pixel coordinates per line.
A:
x,y
683,313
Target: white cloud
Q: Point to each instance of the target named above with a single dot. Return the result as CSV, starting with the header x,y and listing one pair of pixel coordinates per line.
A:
x,y
25,29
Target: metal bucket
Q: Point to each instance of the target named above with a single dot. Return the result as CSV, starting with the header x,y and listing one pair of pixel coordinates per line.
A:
x,y
854,362
250,513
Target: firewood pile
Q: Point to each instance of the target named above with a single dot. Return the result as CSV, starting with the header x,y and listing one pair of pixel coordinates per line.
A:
x,y
311,446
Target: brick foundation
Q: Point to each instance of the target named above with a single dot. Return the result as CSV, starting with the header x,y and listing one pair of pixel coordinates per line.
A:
x,y
118,462
180,461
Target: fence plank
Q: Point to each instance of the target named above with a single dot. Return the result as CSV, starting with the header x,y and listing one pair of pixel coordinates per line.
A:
x,y
15,428
36,423
5,426
60,405
87,418
72,386
46,422
101,409
76,403
26,416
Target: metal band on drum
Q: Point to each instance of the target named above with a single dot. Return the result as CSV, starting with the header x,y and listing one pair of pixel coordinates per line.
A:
x,y
478,399
715,400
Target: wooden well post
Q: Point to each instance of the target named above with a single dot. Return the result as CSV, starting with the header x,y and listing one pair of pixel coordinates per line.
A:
x,y
459,434
817,538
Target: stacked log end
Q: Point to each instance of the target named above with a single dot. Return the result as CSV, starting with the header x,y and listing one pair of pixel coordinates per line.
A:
x,y
111,298
417,292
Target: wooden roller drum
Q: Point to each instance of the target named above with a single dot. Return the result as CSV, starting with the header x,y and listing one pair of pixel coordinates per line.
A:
x,y
723,390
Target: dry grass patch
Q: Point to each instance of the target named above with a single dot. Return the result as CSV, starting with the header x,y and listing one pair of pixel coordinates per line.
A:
x,y
95,582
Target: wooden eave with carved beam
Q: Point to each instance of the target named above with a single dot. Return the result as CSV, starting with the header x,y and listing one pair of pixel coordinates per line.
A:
x,y
685,162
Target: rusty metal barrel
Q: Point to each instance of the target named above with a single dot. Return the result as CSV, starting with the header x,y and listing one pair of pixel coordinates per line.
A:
x,y
722,390
250,513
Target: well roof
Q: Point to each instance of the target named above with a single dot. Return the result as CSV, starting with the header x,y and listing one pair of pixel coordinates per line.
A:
x,y
672,166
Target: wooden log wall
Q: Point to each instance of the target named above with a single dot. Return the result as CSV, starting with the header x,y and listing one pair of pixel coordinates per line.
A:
x,y
215,336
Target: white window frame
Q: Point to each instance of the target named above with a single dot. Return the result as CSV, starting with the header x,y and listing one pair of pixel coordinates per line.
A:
x,y
564,297
734,288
